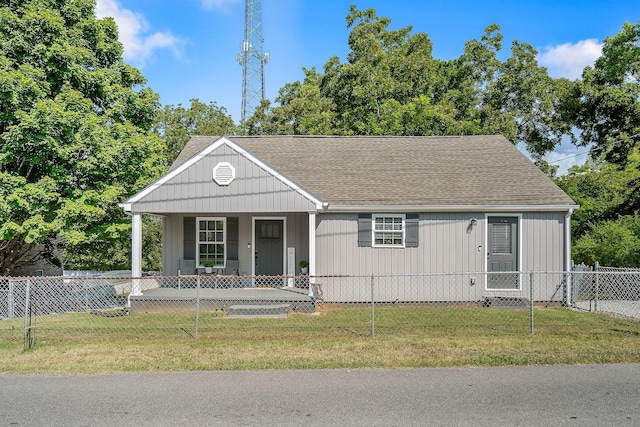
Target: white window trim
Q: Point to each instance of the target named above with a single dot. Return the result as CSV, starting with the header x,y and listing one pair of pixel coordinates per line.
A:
x,y
373,230
224,235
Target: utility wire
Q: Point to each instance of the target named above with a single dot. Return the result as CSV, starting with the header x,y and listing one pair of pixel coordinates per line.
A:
x,y
570,157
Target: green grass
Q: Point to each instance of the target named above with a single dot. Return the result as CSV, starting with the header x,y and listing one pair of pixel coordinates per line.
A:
x,y
334,338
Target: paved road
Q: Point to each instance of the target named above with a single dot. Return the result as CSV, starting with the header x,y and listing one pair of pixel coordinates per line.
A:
x,y
597,395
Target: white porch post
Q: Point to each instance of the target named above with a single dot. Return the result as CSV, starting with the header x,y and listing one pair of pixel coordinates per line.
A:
x,y
136,253
312,250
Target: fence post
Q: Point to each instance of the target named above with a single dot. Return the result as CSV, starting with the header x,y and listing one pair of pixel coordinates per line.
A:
x,y
27,315
573,295
197,305
531,302
568,289
10,301
575,281
597,290
373,328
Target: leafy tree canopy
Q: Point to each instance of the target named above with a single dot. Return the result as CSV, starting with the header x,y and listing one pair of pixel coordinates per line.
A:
x,y
75,126
605,104
607,221
392,84
177,124
614,243
603,191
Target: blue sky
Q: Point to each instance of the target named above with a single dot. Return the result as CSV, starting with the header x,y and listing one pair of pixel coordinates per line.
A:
x,y
187,48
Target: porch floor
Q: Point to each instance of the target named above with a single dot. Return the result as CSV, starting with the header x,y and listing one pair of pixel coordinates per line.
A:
x,y
171,299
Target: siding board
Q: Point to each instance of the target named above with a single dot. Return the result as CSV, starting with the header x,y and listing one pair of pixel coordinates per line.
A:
x,y
447,245
444,246
174,239
543,241
253,190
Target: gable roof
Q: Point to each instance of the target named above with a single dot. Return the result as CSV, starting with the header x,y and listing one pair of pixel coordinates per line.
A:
x,y
480,171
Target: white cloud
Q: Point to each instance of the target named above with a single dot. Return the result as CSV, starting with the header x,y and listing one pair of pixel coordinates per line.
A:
x,y
571,156
218,4
564,156
568,60
133,31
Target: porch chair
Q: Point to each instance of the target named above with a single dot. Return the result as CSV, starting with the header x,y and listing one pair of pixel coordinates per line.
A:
x,y
186,267
316,292
232,268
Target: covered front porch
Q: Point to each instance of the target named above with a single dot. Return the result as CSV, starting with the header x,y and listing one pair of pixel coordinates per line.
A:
x,y
224,207
240,245
268,301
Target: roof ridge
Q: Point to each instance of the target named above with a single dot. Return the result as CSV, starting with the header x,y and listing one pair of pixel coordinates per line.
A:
x,y
353,136
439,170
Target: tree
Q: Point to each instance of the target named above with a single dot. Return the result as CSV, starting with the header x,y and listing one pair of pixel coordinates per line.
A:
x,y
384,68
601,189
605,105
392,85
550,170
115,253
606,228
604,109
302,110
614,243
177,124
75,135
527,97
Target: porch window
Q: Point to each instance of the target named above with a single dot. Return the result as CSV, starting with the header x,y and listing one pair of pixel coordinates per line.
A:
x,y
388,230
211,241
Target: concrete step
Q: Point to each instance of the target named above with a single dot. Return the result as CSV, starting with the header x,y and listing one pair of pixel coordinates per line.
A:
x,y
239,311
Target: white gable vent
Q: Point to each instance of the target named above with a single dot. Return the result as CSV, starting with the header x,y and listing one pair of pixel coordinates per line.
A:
x,y
224,173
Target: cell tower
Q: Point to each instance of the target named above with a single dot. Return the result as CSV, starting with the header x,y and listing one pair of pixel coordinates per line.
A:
x,y
252,58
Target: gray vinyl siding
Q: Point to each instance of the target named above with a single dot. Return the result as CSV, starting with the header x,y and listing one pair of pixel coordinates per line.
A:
x,y
543,250
172,243
447,244
298,237
173,238
194,190
444,245
543,241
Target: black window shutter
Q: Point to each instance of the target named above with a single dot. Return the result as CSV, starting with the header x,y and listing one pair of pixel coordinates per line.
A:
x,y
232,238
189,248
412,230
364,230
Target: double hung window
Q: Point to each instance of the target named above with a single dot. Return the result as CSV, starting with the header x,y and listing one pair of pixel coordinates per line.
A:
x,y
211,241
388,230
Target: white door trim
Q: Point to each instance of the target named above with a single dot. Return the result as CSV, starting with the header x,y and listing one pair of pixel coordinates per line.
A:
x,y
486,245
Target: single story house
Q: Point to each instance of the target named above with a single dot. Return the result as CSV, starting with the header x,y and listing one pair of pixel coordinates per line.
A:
x,y
352,205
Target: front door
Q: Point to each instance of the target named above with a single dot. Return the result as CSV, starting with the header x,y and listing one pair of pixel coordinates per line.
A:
x,y
502,252
269,247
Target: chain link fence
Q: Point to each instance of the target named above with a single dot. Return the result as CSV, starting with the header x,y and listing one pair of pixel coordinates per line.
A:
x,y
79,309
610,290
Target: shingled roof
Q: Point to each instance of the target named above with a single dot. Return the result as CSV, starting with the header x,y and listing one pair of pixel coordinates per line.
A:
x,y
401,171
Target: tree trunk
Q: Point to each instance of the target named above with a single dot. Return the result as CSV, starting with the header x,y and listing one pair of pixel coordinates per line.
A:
x,y
14,253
